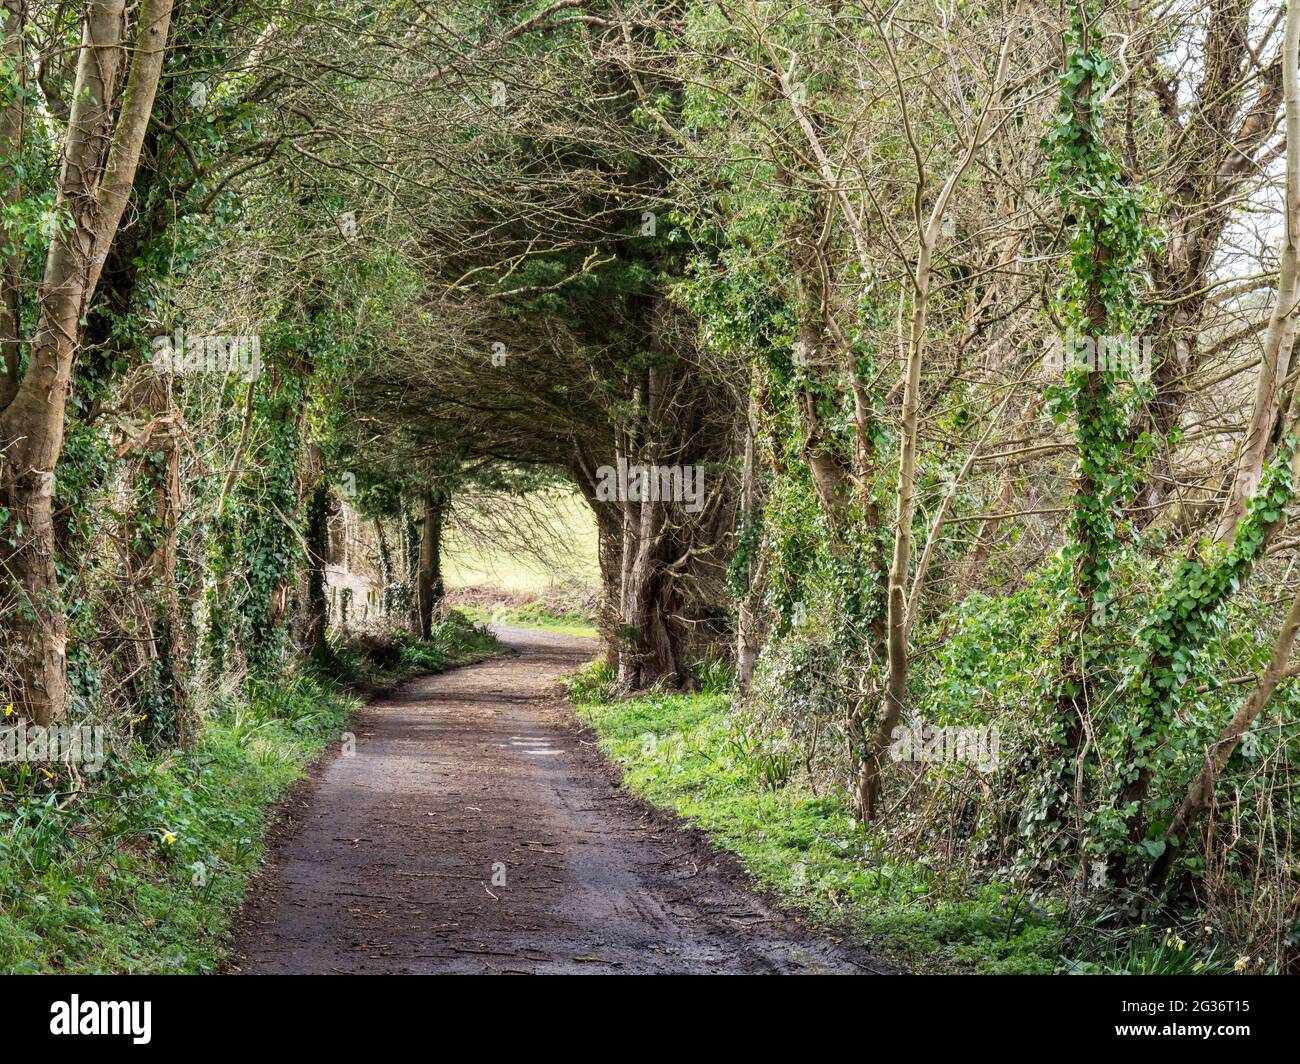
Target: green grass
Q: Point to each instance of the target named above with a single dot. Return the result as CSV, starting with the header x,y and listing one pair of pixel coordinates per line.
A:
x,y
684,753
144,870
533,615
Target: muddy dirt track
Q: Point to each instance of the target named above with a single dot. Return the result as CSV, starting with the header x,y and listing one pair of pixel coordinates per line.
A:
x,y
392,860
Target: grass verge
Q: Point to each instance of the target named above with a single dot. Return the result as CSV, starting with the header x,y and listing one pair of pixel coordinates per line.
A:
x,y
143,866
534,615
685,753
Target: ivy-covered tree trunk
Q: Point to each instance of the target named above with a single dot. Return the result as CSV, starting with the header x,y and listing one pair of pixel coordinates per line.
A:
x,y
1090,531
818,359
748,637
316,607
385,565
411,567
629,516
1100,296
159,682
429,589
1200,796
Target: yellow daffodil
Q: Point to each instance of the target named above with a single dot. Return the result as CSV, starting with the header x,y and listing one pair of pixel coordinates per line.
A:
x,y
1241,963
9,710
168,838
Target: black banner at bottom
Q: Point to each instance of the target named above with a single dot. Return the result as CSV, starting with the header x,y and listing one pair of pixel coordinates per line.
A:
x,y
146,1013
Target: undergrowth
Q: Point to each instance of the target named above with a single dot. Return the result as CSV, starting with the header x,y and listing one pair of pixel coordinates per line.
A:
x,y
689,754
377,659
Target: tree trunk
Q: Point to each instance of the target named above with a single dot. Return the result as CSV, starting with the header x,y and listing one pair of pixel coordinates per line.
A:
x,y
1201,794
609,552
11,139
411,564
385,566
152,568
868,790
650,648
430,590
317,535
869,775
747,636
628,548
1273,370
99,164
650,645
1280,337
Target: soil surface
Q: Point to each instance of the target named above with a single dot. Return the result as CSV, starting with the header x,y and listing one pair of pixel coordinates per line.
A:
x,y
477,829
